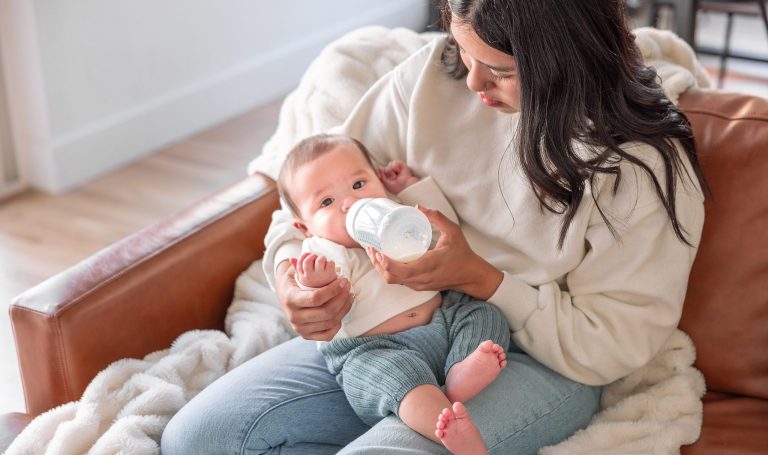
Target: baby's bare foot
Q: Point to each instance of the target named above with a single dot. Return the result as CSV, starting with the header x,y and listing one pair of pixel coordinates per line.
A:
x,y
458,432
467,378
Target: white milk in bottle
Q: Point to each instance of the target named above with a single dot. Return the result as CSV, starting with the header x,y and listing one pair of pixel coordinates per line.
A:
x,y
401,232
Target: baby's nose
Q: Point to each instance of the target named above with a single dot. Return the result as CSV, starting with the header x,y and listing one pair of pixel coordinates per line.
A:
x,y
347,203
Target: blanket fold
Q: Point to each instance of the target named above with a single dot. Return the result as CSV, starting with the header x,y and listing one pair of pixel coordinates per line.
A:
x,y
126,407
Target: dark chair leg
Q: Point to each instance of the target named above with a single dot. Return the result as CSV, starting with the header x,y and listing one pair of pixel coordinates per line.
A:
x,y
761,4
653,15
726,50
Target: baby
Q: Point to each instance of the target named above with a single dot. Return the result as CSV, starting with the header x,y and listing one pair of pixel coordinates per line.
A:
x,y
397,346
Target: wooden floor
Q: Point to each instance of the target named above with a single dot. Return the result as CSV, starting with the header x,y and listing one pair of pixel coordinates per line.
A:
x,y
41,235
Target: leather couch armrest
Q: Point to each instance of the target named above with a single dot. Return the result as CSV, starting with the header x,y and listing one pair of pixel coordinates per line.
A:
x,y
11,425
137,295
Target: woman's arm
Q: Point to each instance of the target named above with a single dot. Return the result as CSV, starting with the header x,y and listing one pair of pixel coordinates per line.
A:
x,y
618,307
612,312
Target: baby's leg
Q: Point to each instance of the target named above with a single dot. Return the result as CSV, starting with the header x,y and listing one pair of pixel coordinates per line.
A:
x,y
458,432
478,335
467,378
419,407
454,430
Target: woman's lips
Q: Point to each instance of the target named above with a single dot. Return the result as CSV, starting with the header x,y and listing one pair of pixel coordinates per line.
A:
x,y
489,101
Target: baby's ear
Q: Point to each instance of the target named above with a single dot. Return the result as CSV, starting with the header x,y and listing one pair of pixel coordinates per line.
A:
x,y
302,227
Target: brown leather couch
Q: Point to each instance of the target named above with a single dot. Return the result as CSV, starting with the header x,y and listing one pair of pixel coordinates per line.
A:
x,y
139,294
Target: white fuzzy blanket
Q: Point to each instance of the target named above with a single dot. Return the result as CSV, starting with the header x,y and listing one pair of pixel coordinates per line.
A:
x,y
655,410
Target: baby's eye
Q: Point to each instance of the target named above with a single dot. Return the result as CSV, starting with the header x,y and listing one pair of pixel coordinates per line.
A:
x,y
326,202
359,184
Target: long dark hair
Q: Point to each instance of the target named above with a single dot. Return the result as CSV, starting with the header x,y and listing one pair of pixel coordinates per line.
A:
x,y
581,77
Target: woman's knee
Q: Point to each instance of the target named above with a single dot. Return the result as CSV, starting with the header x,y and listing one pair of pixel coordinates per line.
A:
x,y
530,406
231,414
189,431
552,425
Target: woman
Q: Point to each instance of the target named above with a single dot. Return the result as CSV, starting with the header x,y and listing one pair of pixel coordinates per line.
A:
x,y
580,200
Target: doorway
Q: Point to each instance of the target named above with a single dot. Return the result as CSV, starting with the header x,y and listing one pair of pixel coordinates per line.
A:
x,y
10,179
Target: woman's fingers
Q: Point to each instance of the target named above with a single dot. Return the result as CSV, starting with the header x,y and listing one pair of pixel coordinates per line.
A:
x,y
323,335
381,263
317,314
318,297
442,223
446,266
416,275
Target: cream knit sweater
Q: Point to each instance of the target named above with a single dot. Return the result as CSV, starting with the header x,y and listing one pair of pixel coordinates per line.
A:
x,y
594,310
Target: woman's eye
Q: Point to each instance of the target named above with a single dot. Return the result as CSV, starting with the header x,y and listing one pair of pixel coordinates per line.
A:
x,y
502,77
359,184
326,202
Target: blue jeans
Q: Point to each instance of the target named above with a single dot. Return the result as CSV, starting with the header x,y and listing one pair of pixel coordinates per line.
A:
x,y
286,402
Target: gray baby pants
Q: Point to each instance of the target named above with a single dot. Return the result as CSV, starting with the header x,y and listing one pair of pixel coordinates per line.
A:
x,y
376,372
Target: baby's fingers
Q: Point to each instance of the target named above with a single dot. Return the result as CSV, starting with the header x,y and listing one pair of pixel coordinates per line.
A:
x,y
308,262
320,263
381,174
396,166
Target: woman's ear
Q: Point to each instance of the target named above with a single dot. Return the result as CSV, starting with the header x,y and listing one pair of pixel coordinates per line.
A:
x,y
303,228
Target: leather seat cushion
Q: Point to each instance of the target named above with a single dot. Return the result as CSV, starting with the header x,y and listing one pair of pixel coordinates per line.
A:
x,y
733,425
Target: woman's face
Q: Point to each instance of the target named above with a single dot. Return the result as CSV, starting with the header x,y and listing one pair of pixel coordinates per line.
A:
x,y
492,73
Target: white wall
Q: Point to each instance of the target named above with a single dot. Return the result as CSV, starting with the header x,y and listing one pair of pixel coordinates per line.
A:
x,y
122,78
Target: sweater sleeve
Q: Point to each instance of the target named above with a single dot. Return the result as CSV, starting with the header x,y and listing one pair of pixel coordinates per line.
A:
x,y
425,192
283,241
614,311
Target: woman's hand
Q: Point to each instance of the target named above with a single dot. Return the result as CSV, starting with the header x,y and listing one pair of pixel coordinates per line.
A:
x,y
314,314
450,265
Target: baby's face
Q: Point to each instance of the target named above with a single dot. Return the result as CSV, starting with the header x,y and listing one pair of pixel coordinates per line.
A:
x,y
324,189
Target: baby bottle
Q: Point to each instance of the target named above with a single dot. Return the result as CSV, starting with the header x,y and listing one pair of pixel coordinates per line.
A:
x,y
399,231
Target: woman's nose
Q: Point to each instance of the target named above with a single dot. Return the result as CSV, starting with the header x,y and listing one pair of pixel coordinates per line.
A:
x,y
476,80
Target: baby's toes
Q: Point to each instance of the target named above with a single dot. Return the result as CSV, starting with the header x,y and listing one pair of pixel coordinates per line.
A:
x,y
487,346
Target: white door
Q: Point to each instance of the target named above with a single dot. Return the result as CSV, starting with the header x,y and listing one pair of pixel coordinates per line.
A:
x,y
10,180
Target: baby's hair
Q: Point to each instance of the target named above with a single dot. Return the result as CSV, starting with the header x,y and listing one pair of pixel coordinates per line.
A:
x,y
309,149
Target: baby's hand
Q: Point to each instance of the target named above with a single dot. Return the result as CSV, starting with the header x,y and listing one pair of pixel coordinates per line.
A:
x,y
314,271
396,176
